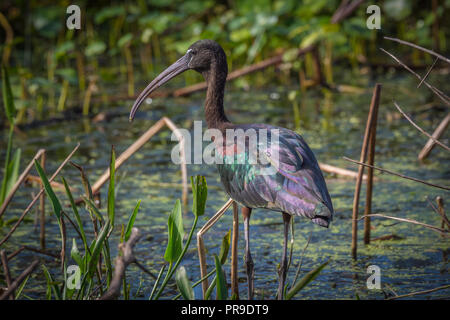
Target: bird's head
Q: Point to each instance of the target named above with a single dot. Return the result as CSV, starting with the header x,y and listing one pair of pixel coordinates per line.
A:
x,y
200,56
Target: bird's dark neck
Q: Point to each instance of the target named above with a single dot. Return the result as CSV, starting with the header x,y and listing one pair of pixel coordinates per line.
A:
x,y
215,78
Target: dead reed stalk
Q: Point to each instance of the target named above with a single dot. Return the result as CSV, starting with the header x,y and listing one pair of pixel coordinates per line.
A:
x,y
369,125
16,283
436,91
201,245
441,231
19,181
19,221
371,159
415,46
339,171
435,136
164,121
8,280
124,258
42,208
419,292
55,185
441,211
420,129
399,175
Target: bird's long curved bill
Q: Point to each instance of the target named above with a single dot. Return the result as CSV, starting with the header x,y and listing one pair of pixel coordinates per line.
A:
x,y
175,69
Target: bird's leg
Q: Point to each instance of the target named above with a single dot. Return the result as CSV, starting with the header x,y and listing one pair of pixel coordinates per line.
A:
x,y
283,266
246,212
234,254
201,246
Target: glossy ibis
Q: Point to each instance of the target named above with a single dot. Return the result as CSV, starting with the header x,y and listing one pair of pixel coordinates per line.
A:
x,y
296,187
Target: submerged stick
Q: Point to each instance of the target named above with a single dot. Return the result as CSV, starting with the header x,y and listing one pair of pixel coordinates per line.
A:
x,y
436,135
339,171
124,258
399,175
19,221
44,252
441,212
19,280
370,119
15,253
8,280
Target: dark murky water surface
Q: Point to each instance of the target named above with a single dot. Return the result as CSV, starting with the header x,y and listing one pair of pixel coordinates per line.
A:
x,y
333,125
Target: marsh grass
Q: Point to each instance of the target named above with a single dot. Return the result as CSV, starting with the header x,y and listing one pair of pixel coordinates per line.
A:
x,y
93,259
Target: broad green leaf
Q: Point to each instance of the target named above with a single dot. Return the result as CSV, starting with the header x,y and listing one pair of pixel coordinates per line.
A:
x,y
13,170
111,194
93,208
200,193
76,256
8,99
310,276
240,35
95,48
183,284
7,160
57,209
221,284
211,288
68,74
125,40
312,38
109,267
397,9
75,211
51,285
130,223
109,12
290,55
85,181
22,285
97,247
146,34
176,234
225,248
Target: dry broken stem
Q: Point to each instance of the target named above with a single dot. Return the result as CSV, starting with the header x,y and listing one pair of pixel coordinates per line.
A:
x,y
124,258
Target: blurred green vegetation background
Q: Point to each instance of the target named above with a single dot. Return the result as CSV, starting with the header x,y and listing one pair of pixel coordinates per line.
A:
x,y
122,45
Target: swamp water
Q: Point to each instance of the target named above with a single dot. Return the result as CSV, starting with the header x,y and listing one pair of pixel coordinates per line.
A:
x,y
332,124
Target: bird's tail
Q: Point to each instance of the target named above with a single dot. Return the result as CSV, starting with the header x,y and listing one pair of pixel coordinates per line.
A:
x,y
322,215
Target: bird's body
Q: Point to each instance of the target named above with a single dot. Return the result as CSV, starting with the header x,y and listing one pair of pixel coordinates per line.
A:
x,y
296,185
279,174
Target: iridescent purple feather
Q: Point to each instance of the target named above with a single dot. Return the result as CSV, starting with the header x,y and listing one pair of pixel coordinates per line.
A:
x,y
296,187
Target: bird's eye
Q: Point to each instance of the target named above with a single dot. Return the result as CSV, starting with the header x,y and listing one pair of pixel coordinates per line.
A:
x,y
194,52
